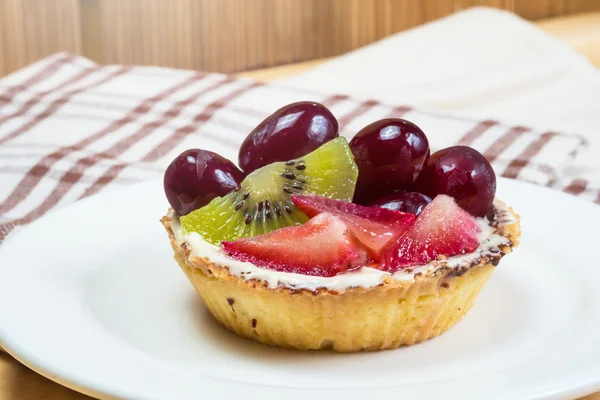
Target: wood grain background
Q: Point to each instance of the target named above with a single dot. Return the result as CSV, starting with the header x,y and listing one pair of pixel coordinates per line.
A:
x,y
223,35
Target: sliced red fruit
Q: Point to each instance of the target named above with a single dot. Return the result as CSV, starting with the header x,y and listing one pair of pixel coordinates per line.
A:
x,y
321,247
375,228
443,228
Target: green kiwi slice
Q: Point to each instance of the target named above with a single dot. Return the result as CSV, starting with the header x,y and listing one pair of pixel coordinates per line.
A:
x,y
263,202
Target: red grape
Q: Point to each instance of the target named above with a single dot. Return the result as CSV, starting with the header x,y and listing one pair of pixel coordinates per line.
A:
x,y
290,132
195,177
390,154
463,173
408,202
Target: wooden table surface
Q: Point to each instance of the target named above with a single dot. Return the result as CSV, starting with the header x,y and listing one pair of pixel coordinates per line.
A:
x,y
17,382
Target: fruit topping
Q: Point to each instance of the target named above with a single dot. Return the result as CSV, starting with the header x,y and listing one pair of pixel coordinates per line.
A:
x,y
389,153
290,132
442,229
408,202
375,228
195,177
463,173
263,202
296,167
322,247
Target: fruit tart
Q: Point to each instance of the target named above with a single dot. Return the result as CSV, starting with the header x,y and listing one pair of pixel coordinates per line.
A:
x,y
321,243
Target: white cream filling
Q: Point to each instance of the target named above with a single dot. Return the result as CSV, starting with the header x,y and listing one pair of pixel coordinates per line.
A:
x,y
364,277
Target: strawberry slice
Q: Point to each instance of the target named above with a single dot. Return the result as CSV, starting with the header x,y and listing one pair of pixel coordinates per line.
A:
x,y
374,227
443,228
321,247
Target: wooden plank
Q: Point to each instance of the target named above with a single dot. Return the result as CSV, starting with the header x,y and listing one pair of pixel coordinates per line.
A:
x,y
2,62
33,29
92,45
224,35
582,32
11,24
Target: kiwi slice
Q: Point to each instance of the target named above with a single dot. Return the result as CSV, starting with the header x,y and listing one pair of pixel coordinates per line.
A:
x,y
263,202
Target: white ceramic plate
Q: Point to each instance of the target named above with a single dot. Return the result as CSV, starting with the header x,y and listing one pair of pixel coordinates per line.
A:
x,y
91,297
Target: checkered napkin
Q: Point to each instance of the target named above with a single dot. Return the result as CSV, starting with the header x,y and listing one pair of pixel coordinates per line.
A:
x,y
70,128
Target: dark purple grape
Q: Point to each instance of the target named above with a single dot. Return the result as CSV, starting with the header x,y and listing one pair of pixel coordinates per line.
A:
x,y
195,177
390,154
408,202
290,132
463,173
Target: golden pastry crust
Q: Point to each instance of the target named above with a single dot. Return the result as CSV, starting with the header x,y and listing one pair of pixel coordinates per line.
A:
x,y
392,314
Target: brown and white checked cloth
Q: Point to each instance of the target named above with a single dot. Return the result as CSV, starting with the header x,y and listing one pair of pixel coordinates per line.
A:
x,y
70,128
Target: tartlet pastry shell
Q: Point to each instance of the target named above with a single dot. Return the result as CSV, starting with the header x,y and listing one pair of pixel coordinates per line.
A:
x,y
392,314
